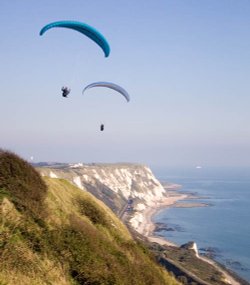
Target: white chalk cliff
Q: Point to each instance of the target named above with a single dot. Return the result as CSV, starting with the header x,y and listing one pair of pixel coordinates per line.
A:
x,y
118,185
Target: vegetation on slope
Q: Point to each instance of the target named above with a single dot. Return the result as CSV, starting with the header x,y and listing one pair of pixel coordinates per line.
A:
x,y
54,233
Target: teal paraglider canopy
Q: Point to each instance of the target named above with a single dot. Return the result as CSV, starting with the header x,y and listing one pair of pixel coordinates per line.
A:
x,y
110,85
83,28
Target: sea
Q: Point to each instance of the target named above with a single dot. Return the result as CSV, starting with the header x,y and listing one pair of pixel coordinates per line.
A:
x,y
220,230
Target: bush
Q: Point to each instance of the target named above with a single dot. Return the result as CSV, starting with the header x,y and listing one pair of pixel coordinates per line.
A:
x,y
22,184
183,279
89,209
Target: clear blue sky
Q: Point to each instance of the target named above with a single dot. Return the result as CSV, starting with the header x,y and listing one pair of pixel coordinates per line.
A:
x,y
185,64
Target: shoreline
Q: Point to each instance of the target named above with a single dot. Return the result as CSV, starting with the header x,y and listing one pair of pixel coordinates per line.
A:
x,y
147,226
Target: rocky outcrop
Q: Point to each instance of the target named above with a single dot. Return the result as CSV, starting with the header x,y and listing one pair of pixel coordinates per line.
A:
x,y
191,245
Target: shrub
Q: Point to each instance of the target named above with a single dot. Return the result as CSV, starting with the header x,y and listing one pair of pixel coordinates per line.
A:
x,y
92,211
22,183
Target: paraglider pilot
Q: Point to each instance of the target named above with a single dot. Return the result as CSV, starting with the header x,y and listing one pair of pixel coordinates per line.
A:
x,y
65,91
102,127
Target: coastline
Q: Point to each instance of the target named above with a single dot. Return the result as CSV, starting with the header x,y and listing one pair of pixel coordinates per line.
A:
x,y
147,226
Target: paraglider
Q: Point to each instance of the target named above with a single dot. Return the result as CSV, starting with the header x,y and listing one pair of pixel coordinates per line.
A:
x,y
65,91
83,28
110,85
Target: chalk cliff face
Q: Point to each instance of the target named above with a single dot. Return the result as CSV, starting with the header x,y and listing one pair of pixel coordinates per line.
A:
x,y
123,187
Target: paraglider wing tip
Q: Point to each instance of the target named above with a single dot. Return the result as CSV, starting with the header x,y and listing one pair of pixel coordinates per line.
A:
x,y
42,31
107,53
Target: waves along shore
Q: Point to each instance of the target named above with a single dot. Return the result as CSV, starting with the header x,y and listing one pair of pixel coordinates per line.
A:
x,y
142,222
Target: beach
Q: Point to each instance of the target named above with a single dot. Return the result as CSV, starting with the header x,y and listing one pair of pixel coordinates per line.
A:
x,y
146,226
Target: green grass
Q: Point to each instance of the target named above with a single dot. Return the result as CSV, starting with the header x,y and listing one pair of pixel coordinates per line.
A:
x,y
187,259
23,184
51,232
3,193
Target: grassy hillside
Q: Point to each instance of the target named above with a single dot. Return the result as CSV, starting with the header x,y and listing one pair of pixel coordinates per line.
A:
x,y
54,233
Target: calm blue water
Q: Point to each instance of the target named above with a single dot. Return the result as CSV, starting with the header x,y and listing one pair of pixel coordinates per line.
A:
x,y
223,226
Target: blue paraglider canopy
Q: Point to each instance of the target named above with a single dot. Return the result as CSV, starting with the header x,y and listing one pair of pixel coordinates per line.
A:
x,y
83,28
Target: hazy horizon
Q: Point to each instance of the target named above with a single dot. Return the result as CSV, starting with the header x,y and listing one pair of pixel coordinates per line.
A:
x,y
185,65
